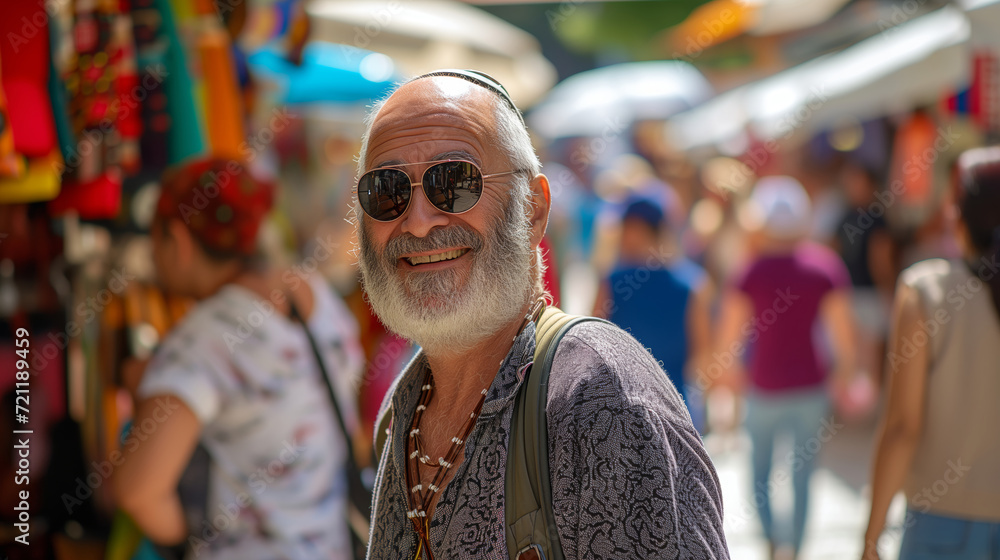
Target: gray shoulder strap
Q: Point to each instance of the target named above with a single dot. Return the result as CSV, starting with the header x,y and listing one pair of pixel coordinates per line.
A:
x,y
530,522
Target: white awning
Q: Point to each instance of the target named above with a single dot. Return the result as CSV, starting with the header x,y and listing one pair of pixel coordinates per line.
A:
x,y
610,98
984,17
902,67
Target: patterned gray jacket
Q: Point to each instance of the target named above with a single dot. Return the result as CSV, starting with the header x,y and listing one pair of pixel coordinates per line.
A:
x,y
630,477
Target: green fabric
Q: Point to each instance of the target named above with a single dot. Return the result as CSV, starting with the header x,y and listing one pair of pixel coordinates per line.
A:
x,y
187,137
59,100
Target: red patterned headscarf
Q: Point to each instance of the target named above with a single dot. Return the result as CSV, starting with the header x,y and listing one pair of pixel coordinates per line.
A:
x,y
219,200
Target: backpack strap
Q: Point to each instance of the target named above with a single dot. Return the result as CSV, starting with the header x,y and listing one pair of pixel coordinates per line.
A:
x,y
528,514
531,526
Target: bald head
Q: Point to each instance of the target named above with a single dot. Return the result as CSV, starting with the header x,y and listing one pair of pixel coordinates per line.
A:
x,y
441,105
428,112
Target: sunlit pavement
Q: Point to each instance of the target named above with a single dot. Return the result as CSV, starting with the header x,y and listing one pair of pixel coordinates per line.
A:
x,y
838,509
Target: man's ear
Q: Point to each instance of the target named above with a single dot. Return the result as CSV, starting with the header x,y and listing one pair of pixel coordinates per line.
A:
x,y
539,213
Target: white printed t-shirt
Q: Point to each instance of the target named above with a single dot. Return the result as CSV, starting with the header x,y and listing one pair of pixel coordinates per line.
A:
x,y
277,486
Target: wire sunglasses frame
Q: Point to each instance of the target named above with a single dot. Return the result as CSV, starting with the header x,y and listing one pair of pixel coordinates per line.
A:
x,y
438,198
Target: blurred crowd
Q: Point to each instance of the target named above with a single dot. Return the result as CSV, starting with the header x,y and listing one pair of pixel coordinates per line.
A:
x,y
766,296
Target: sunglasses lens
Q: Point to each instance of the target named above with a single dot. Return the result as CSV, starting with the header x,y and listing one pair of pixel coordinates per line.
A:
x,y
384,193
453,186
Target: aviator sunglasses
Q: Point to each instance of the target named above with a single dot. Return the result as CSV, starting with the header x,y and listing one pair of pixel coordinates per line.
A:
x,y
452,186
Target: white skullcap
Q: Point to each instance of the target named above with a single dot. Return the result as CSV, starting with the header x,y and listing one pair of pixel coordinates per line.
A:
x,y
783,206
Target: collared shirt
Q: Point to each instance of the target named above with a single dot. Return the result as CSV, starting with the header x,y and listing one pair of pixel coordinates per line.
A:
x,y
630,477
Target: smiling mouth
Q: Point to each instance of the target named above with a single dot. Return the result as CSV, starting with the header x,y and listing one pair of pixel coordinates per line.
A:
x,y
437,257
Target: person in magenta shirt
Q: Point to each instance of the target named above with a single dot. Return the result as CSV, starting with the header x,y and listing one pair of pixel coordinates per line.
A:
x,y
773,319
787,290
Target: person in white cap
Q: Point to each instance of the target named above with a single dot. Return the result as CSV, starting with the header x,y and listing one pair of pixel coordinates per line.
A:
x,y
774,306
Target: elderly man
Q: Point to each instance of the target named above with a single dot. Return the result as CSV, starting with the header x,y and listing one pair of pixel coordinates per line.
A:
x,y
451,209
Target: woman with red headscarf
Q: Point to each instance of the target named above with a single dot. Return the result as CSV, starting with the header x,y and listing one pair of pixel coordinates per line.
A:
x,y
239,377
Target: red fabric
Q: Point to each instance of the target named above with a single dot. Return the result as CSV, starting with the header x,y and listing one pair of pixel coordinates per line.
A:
x,y
984,93
98,199
24,53
219,201
551,278
910,165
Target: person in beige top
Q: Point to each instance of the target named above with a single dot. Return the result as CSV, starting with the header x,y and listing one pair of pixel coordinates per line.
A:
x,y
938,441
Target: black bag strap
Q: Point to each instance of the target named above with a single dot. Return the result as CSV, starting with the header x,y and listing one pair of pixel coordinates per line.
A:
x,y
531,525
358,513
294,313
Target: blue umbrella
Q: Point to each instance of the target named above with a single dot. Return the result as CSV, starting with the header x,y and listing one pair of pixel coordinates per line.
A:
x,y
329,72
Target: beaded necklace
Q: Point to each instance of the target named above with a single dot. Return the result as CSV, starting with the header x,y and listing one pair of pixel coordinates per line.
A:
x,y
420,498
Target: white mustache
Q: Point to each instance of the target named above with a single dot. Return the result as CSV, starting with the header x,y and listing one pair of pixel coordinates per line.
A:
x,y
442,238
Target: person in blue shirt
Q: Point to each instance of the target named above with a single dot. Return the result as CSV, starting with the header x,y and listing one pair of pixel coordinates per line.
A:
x,y
662,298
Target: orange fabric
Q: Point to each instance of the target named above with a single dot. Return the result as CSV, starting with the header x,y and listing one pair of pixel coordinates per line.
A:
x,y
10,164
711,24
223,98
912,152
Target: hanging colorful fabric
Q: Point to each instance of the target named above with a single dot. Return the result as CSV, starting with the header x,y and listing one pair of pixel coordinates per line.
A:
x,y
29,155
39,181
151,44
223,99
186,138
11,164
101,82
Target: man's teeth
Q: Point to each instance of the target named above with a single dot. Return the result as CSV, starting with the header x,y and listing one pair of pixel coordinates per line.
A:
x,y
446,256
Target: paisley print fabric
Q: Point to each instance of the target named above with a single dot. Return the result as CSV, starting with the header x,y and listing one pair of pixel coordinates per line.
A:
x,y
630,477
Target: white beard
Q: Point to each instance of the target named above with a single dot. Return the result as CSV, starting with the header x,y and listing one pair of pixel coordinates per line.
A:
x,y
437,310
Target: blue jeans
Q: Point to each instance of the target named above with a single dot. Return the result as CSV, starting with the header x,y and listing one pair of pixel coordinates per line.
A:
x,y
803,414
931,537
